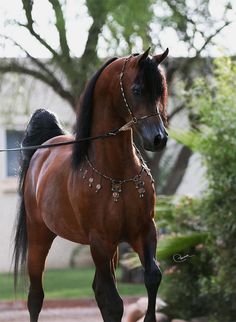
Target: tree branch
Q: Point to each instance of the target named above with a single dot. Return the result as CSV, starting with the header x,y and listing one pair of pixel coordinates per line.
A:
x,y
28,6
62,59
177,173
33,59
61,28
208,40
14,67
177,110
98,12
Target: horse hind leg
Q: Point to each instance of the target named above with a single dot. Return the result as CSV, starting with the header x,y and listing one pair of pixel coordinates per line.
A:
x,y
39,242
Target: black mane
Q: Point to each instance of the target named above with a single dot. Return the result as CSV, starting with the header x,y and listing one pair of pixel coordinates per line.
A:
x,y
152,79
84,118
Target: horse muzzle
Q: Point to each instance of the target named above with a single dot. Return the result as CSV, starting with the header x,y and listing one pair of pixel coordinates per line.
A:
x,y
154,136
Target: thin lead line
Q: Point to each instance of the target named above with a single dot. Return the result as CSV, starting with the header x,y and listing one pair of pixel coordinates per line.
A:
x,y
102,136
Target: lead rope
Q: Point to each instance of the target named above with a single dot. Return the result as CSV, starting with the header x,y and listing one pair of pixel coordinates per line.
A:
x,y
124,127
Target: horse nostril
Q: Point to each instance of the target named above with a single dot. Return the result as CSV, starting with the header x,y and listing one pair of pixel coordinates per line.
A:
x,y
157,139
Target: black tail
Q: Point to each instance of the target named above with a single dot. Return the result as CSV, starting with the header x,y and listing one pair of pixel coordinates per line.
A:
x,y
42,126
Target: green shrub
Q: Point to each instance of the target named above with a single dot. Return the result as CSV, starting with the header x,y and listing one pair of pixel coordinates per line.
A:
x,y
182,281
215,279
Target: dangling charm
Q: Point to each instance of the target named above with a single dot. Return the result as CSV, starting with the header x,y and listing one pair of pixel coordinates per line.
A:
x,y
116,190
98,187
139,184
85,173
90,182
81,168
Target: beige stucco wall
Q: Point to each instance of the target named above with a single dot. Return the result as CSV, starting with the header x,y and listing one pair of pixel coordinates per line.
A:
x,y
30,96
61,250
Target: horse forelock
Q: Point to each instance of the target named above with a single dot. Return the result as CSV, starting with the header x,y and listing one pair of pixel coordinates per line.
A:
x,y
154,84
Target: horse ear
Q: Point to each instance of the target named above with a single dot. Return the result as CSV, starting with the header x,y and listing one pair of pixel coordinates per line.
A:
x,y
143,56
159,58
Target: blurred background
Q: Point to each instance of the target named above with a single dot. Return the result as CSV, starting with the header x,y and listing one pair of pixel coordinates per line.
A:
x,y
49,49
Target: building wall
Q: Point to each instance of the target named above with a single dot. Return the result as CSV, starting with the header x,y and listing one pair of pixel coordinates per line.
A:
x,y
38,96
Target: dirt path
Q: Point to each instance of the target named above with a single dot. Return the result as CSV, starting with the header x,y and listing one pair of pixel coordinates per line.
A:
x,y
56,311
55,315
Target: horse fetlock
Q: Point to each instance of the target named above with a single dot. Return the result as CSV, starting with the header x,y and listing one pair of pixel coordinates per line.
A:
x,y
150,318
35,302
116,310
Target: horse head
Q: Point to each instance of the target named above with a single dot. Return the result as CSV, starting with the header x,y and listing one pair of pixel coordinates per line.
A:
x,y
144,93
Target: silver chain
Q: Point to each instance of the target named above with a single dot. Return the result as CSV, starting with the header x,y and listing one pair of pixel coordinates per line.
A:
x,y
144,167
121,181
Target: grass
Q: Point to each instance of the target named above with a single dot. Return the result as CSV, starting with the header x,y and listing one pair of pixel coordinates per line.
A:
x,y
65,284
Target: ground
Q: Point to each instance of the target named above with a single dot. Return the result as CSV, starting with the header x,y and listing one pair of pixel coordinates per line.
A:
x,y
56,311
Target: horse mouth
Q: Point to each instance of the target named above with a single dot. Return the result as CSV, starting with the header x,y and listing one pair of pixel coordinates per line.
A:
x,y
152,139
157,145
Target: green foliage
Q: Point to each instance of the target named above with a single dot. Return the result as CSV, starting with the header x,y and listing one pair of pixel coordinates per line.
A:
x,y
122,27
182,283
168,247
173,245
187,236
217,110
215,104
178,10
190,139
178,217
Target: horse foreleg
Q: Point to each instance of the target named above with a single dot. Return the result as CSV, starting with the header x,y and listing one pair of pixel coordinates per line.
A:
x,y
146,249
39,244
106,294
114,262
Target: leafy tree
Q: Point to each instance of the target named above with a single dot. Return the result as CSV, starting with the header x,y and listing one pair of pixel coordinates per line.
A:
x,y
218,147
215,103
112,23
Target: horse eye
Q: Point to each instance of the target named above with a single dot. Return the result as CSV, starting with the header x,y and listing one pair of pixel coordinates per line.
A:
x,y
136,89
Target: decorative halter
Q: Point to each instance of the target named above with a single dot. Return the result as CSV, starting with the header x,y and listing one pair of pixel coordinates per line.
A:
x,y
134,118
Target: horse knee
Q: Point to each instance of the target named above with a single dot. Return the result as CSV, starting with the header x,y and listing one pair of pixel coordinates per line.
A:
x,y
153,276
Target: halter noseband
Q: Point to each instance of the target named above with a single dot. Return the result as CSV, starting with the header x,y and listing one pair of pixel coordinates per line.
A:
x,y
134,118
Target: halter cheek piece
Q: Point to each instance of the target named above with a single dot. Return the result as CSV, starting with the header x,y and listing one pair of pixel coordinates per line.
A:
x,y
124,127
134,118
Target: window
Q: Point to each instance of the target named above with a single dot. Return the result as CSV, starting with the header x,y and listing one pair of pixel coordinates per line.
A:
x,y
13,139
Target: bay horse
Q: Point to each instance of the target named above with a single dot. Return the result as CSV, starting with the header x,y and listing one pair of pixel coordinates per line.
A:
x,y
95,192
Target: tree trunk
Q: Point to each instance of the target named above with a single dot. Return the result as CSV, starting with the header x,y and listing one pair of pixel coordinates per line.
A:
x,y
177,173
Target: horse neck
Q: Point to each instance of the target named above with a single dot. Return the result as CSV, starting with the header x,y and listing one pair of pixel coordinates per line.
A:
x,y
115,155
